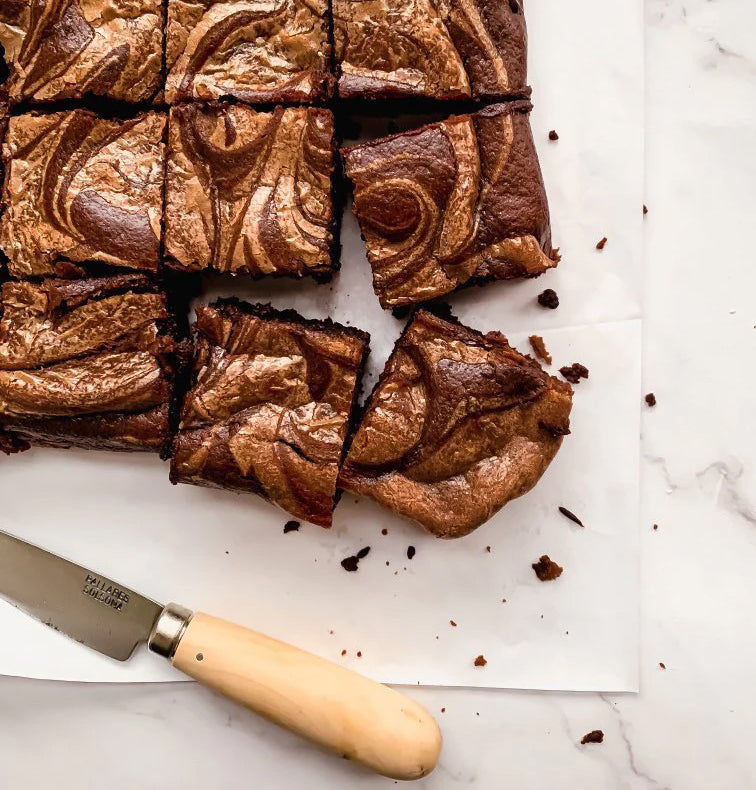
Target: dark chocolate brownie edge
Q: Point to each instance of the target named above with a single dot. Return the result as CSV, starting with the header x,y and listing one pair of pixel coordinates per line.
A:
x,y
267,312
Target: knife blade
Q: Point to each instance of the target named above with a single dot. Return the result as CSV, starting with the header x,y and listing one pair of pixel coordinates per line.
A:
x,y
328,704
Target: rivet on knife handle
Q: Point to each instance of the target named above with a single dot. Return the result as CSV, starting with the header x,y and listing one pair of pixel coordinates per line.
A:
x,y
336,708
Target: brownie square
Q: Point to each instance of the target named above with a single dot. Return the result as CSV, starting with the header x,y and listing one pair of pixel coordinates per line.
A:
x,y
82,189
269,407
66,49
459,424
250,192
86,363
256,52
452,202
439,49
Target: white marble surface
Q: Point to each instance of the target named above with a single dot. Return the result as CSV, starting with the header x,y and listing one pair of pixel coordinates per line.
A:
x,y
693,724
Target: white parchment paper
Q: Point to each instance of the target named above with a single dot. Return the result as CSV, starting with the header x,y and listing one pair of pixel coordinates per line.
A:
x,y
227,554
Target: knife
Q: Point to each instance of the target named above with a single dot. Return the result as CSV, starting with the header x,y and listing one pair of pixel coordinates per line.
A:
x,y
357,718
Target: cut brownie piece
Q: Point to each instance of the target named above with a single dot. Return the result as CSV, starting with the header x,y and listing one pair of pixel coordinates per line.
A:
x,y
270,404
63,49
250,192
459,424
257,52
441,49
453,201
86,363
84,189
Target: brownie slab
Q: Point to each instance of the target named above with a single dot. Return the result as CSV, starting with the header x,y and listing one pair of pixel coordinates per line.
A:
x,y
64,49
439,49
269,408
86,363
82,189
250,192
452,201
459,424
257,51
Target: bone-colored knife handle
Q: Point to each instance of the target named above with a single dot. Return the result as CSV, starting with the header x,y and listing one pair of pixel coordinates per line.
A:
x,y
336,708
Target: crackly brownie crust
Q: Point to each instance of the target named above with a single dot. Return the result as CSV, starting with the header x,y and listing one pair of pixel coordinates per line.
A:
x,y
452,202
66,49
250,192
269,408
80,188
439,49
459,424
86,363
257,52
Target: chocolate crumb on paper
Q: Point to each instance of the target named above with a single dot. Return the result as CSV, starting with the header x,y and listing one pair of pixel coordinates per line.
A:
x,y
539,348
594,736
452,623
662,665
571,516
651,399
480,661
384,531
291,526
574,372
601,244
410,552
553,136
362,553
645,209
549,298
655,527
546,569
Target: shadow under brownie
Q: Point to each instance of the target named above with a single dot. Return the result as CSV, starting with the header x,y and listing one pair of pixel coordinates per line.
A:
x,y
251,192
269,407
452,202
82,189
67,49
86,363
459,424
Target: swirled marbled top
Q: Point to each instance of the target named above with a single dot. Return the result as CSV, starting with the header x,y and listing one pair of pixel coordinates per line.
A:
x,y
269,407
86,362
459,424
441,49
62,49
250,192
452,201
82,188
254,50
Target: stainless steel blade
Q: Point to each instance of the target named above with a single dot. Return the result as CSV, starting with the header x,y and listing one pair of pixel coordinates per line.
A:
x,y
84,604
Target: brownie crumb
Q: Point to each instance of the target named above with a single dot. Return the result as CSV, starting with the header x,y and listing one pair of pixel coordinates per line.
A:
x,y
571,516
546,569
343,652
359,654
362,553
553,136
662,665
10,444
549,299
574,372
350,563
384,531
480,661
645,209
595,736
539,348
556,255
452,623
291,526
602,243
410,552
443,710
656,526
651,399
488,549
